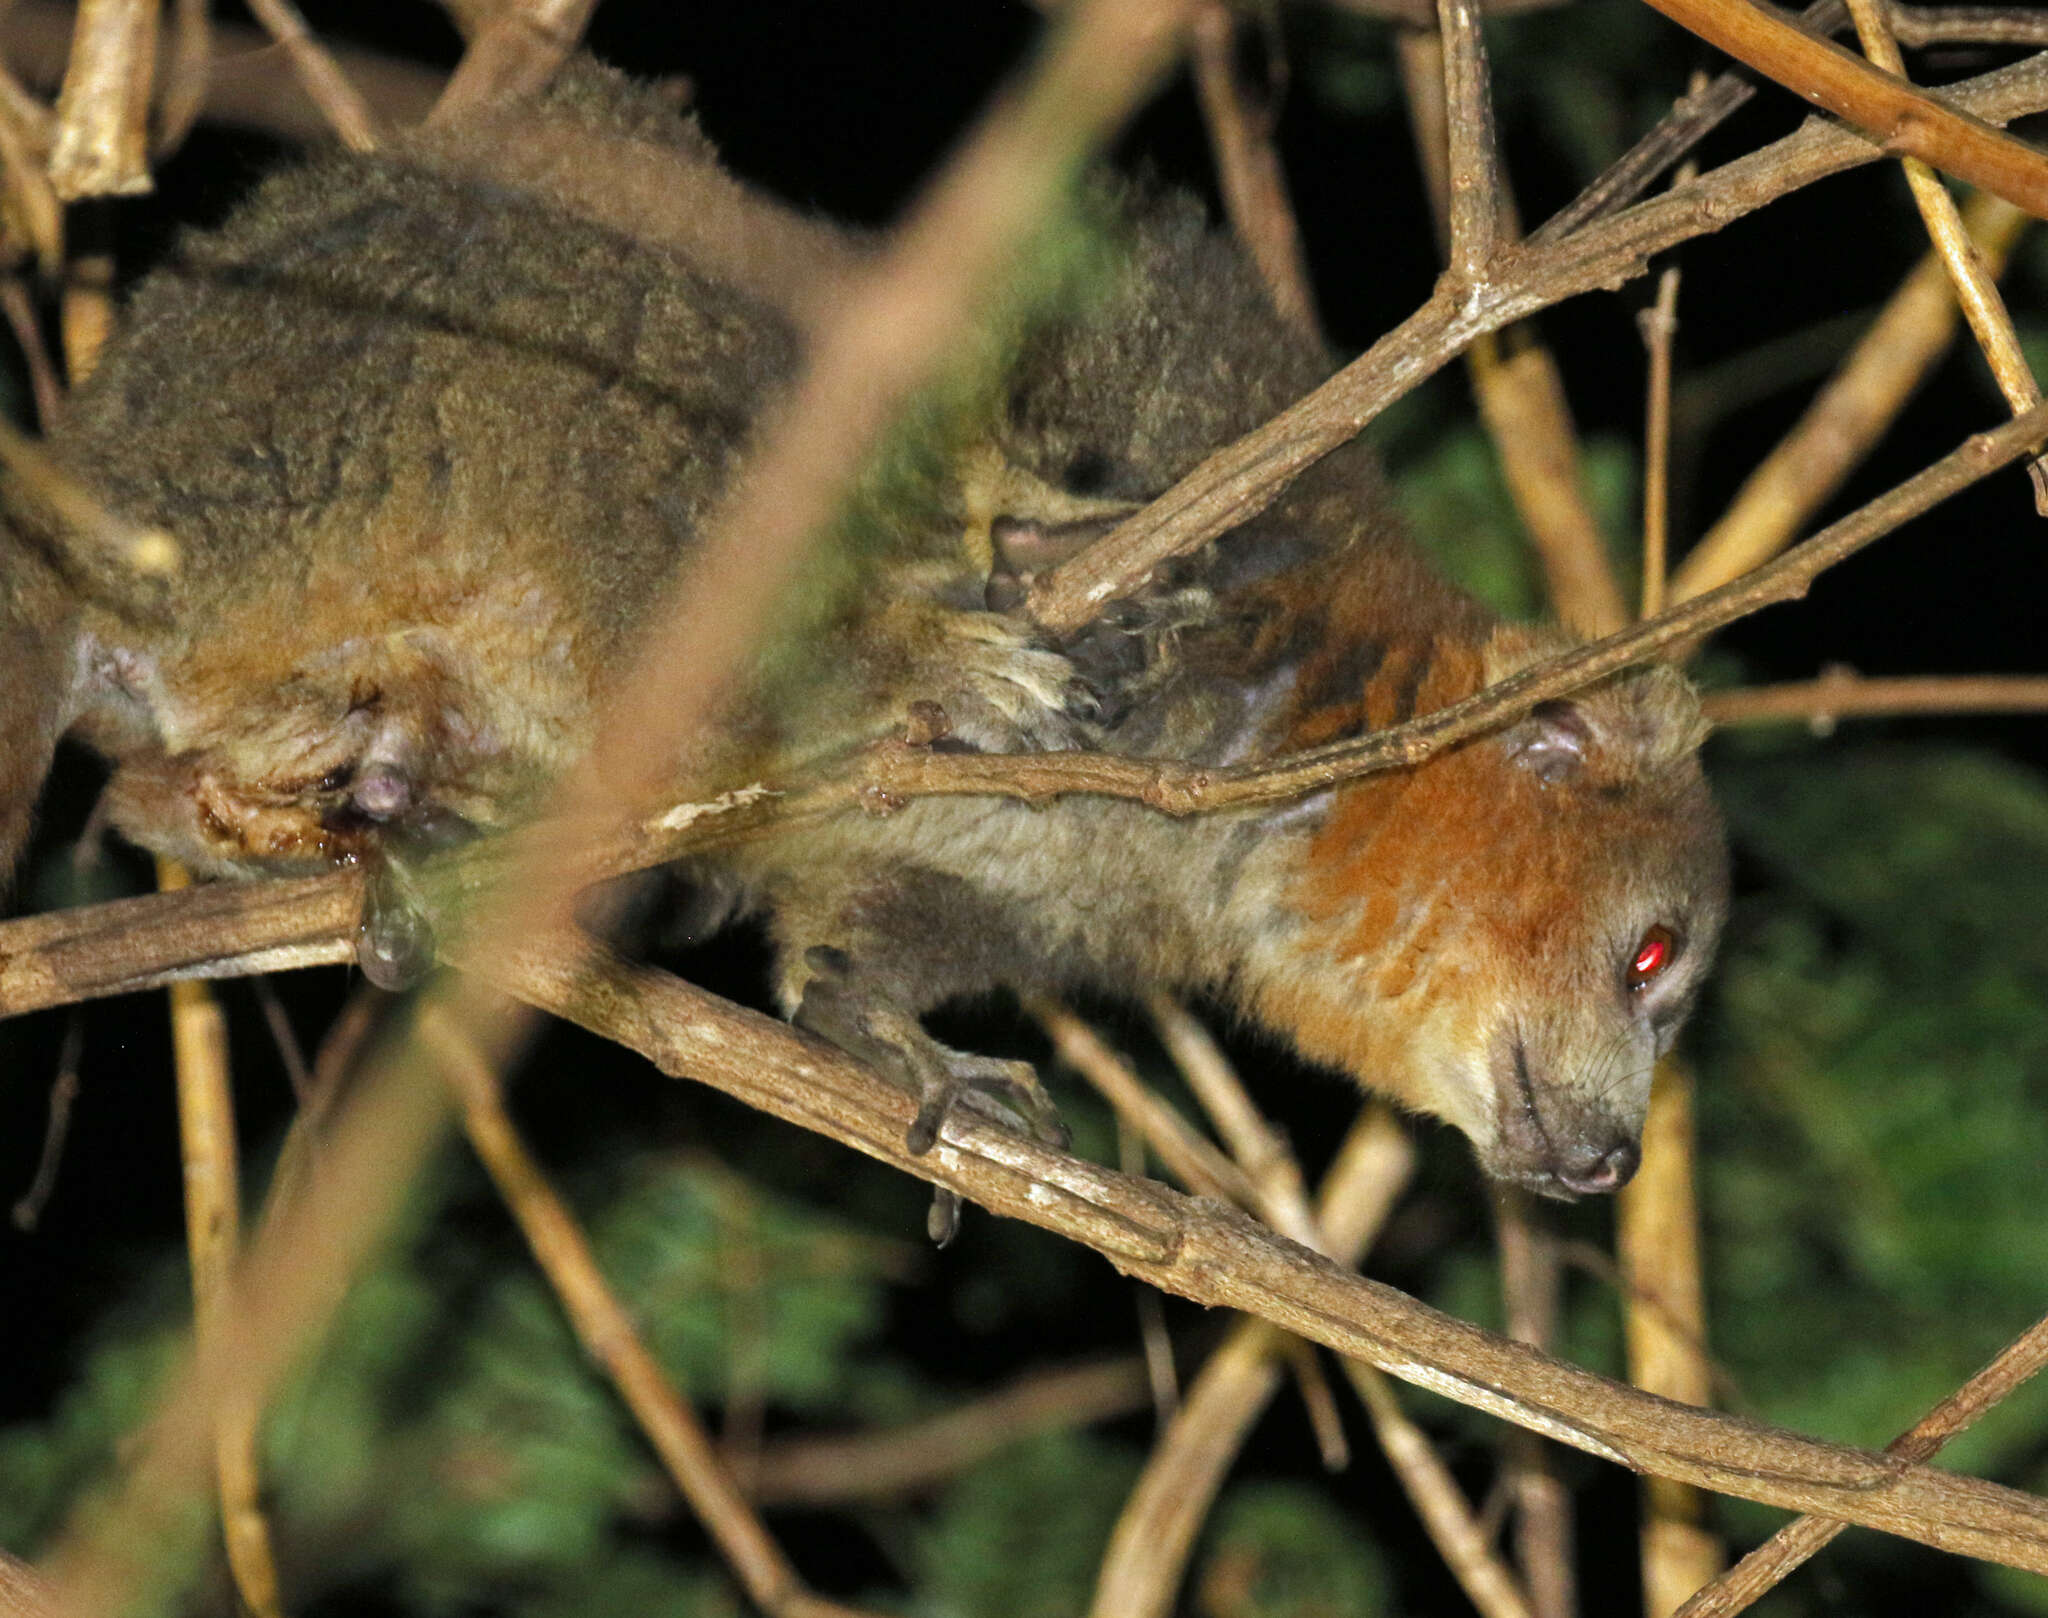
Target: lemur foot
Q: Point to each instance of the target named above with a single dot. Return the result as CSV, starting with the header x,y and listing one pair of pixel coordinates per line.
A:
x,y
1008,693
870,1026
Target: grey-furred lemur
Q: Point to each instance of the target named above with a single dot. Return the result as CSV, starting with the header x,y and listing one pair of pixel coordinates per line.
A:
x,y
434,430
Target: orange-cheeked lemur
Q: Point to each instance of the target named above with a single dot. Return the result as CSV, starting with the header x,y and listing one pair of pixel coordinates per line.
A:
x,y
433,438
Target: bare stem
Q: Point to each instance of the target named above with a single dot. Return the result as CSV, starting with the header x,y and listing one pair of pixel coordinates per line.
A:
x,y
213,1239
1842,694
1664,1324
607,1334
1240,127
1976,289
102,140
1766,1566
319,75
1891,112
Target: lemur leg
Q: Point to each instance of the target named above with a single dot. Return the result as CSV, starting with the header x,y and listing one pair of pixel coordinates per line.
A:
x,y
862,967
863,1019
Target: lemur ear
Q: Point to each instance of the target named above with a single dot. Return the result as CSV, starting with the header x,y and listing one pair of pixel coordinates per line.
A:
x,y
1552,742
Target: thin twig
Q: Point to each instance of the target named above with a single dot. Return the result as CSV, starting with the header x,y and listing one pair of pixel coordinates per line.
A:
x,y
1160,1370
1659,326
319,75
1529,1284
1360,1191
1968,25
1976,290
102,140
1766,1566
1248,168
608,1336
1522,402
213,1239
297,1073
26,132
28,1208
1477,212
1318,1402
1898,117
44,386
1850,414
183,75
1458,1533
513,54
1520,391
1256,1148
1840,693
1664,1321
242,84
1155,1533
1694,116
85,312
1193,1161
1242,479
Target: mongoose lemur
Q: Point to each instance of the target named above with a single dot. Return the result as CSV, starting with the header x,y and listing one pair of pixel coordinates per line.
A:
x,y
433,438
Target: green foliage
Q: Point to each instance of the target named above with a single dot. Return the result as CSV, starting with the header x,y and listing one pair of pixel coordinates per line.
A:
x,y
450,1436
1022,1535
1456,502
1877,1142
1280,1550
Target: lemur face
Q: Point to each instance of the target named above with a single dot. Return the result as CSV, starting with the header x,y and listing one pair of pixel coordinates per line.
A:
x,y
1529,921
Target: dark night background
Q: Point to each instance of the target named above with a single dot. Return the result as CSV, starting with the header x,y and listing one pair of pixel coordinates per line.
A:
x,y
846,109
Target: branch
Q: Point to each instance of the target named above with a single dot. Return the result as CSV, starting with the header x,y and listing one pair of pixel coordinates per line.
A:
x,y
213,1237
519,47
102,139
1766,1566
319,75
1657,1240
1240,480
1694,116
242,86
1975,288
1841,693
1248,169
1477,211
1901,119
1530,1289
232,930
606,1333
1210,1254
1849,414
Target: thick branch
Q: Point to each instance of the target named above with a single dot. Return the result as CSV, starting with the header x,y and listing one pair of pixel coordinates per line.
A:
x,y
1900,118
1797,1541
1239,481
1213,1255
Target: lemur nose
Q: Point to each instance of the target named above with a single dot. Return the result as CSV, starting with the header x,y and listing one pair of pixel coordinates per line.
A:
x,y
1593,1170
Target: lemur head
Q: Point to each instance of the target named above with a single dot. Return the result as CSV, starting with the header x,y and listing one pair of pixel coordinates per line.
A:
x,y
1510,935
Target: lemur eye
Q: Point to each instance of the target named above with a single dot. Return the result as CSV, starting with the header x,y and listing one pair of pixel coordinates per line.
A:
x,y
1652,955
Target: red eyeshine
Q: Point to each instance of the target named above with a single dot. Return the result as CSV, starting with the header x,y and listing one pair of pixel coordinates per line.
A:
x,y
1653,954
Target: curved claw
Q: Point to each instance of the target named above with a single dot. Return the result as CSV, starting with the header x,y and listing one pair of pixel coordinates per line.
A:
x,y
942,1219
394,939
